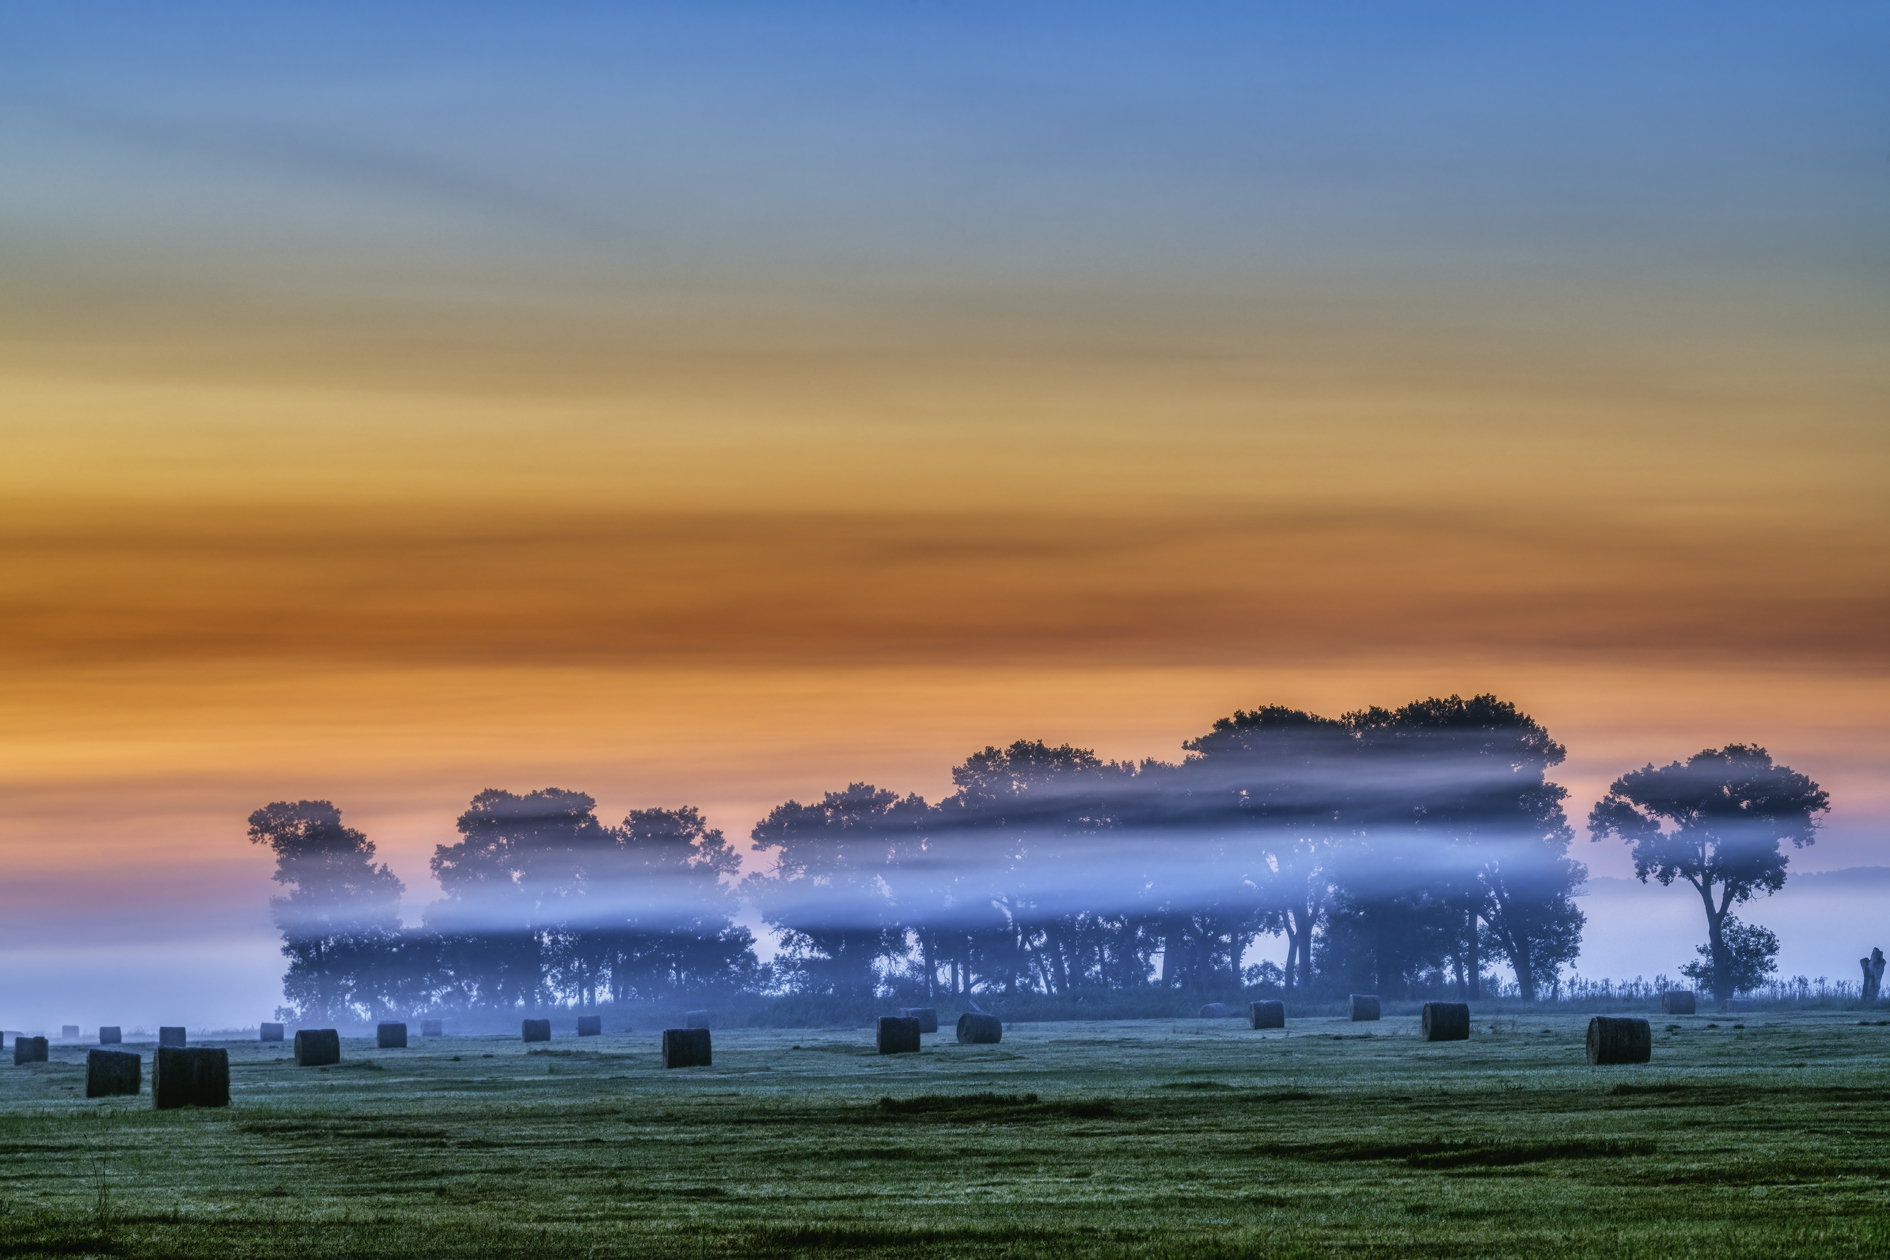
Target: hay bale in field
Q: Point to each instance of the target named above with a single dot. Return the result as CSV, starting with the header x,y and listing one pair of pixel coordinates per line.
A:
x,y
109,1035
978,1029
926,1015
270,1032
1266,1014
534,1030
28,1050
1215,1010
1364,1006
196,1077
686,1047
1677,1002
590,1025
69,1032
390,1036
1613,1040
898,1034
170,1036
1445,1021
1736,1006
317,1047
432,1028
696,1019
109,1072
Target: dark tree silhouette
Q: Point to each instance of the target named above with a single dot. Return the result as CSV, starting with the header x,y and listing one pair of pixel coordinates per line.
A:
x,y
1752,950
340,919
1716,821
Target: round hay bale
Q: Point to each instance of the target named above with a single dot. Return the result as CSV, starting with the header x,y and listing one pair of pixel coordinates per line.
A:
x,y
1613,1040
69,1032
271,1032
28,1050
390,1036
197,1077
317,1047
1678,1002
110,1035
976,1029
1266,1014
926,1015
1445,1021
1215,1010
432,1028
686,1047
1363,1006
534,1030
170,1036
898,1034
590,1025
1736,1006
109,1072
696,1019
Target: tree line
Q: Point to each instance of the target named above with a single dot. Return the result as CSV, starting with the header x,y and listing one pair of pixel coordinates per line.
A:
x,y
1392,850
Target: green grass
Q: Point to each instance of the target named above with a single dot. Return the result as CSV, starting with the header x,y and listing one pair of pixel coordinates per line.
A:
x,y
1155,1137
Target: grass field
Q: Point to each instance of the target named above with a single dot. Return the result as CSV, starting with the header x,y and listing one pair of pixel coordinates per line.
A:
x,y
1153,1137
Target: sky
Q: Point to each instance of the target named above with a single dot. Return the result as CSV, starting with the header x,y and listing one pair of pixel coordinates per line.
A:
x,y
719,403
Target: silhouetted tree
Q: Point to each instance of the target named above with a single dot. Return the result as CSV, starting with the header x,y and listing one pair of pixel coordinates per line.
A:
x,y
1751,951
1715,821
340,919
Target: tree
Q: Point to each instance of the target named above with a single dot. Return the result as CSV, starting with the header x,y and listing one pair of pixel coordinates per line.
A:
x,y
341,914
1753,951
1715,821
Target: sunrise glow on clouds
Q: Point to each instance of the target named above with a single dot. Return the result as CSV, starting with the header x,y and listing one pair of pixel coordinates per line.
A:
x,y
716,405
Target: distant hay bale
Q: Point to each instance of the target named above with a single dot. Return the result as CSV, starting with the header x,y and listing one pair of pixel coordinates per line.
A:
x,y
1677,1002
696,1019
69,1031
1266,1014
109,1035
1215,1010
1736,1006
1614,1040
109,1072
1364,1006
898,1034
198,1077
390,1036
432,1028
534,1030
590,1025
170,1036
1445,1021
28,1050
926,1015
975,1029
271,1032
686,1047
317,1047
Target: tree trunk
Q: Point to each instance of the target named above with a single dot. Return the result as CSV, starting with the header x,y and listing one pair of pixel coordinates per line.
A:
x,y
1716,943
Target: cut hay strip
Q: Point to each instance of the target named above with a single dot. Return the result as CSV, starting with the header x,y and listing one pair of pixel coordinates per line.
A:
x,y
686,1047
534,1030
271,1032
1266,1014
1445,1021
590,1025
979,1030
1364,1006
1678,1002
29,1050
926,1015
109,1072
171,1036
1612,1040
317,1047
898,1034
110,1035
390,1036
198,1077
